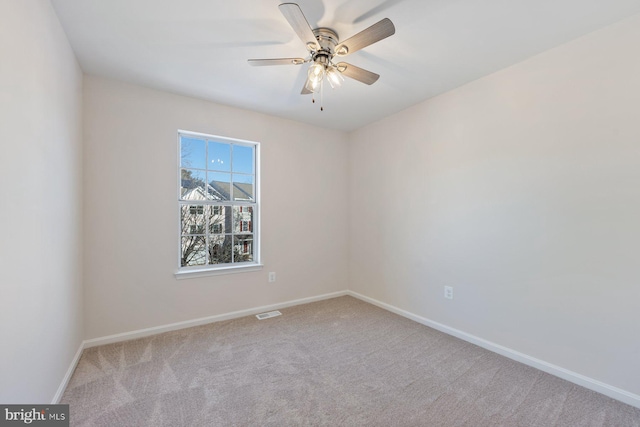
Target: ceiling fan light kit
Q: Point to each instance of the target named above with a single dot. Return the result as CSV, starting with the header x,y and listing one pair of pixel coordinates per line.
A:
x,y
324,45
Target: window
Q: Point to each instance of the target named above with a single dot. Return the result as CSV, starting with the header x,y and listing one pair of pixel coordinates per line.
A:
x,y
196,210
196,229
218,202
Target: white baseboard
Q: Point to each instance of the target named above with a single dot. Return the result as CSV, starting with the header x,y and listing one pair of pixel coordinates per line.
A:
x,y
67,376
140,333
581,380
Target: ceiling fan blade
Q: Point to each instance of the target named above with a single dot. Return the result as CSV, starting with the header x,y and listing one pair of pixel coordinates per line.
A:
x,y
299,23
378,31
357,73
276,61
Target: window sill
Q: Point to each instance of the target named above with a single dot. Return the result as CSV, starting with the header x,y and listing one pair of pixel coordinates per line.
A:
x,y
203,272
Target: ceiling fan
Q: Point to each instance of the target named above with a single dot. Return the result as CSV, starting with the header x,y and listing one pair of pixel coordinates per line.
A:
x,y
324,46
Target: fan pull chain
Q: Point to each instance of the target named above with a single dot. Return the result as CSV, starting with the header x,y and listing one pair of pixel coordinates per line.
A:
x,y
313,96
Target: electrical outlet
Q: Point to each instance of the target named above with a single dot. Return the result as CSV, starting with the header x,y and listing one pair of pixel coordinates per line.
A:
x,y
272,277
448,292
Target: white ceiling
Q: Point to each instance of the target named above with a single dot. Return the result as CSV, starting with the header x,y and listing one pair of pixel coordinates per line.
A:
x,y
200,47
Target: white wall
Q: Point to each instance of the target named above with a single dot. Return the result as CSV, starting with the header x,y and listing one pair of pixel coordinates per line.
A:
x,y
40,218
521,190
131,212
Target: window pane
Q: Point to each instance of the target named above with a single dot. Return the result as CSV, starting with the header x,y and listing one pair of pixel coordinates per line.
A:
x,y
220,249
193,219
243,187
243,248
243,219
242,159
192,153
194,251
192,183
220,215
219,157
219,185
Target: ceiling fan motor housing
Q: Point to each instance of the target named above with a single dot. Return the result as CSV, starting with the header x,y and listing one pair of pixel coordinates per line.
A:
x,y
327,39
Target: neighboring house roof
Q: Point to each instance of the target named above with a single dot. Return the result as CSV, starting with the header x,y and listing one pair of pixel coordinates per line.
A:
x,y
241,191
218,190
197,193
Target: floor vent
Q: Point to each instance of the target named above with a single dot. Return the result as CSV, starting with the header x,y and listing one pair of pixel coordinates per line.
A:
x,y
263,316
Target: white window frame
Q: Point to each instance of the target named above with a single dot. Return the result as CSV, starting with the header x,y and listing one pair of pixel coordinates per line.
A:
x,y
216,269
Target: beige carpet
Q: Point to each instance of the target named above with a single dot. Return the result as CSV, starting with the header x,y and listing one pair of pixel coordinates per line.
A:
x,y
340,362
